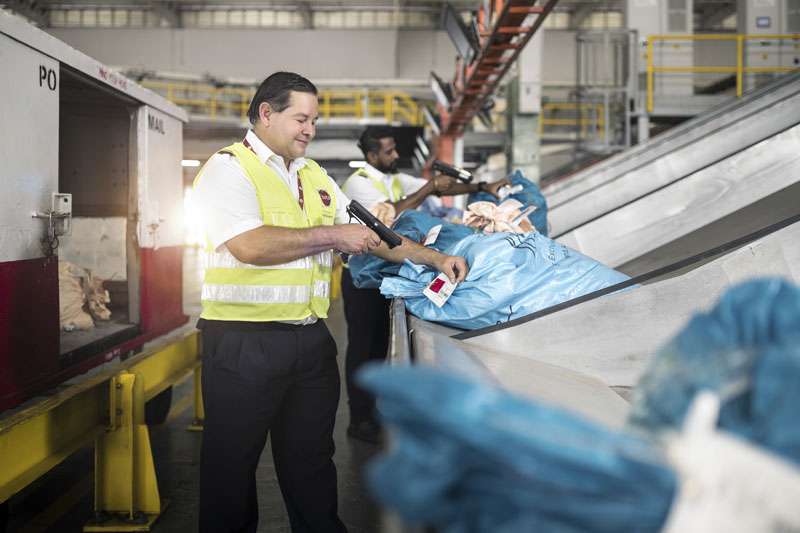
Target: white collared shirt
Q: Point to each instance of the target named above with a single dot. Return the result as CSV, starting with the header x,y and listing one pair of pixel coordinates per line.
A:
x,y
365,192
226,199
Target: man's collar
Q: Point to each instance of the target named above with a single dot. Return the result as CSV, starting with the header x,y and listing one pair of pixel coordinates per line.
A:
x,y
264,152
374,172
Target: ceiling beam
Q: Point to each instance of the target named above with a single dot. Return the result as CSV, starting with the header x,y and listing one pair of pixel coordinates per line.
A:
x,y
33,10
579,14
169,12
308,17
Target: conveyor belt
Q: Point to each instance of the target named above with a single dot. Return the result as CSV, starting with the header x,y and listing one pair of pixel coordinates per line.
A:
x,y
613,338
608,340
697,150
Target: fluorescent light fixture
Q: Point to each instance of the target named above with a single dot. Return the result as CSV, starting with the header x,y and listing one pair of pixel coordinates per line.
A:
x,y
420,157
462,37
440,90
423,147
431,119
190,163
357,164
485,118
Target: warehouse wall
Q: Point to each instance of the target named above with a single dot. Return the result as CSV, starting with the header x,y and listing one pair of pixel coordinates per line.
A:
x,y
253,53
558,57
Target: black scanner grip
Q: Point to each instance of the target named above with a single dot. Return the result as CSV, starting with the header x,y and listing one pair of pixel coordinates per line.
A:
x,y
357,211
458,173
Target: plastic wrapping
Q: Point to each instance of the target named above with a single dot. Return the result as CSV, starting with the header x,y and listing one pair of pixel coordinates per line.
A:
x,y
747,351
433,206
484,460
368,271
511,275
530,195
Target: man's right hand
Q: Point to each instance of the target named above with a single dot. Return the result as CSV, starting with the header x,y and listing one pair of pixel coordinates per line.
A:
x,y
443,182
355,239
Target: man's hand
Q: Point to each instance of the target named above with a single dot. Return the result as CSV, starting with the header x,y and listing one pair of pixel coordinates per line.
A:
x,y
452,266
355,239
492,188
442,183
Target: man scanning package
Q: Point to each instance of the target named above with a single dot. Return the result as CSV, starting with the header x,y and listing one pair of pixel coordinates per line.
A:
x,y
273,220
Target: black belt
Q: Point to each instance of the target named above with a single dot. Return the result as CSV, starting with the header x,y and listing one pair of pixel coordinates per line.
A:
x,y
238,325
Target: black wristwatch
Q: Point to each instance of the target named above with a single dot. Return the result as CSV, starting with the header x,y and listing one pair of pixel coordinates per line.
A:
x,y
481,185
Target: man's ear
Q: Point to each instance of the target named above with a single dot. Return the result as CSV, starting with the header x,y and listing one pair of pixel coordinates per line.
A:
x,y
264,112
372,158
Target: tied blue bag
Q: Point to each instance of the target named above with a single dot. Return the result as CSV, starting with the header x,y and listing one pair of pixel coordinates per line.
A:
x,y
747,351
511,275
529,195
368,271
483,460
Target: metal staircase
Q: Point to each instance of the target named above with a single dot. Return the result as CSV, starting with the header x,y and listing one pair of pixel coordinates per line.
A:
x,y
506,27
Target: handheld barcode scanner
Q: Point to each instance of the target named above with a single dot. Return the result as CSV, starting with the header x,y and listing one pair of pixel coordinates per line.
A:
x,y
357,211
458,173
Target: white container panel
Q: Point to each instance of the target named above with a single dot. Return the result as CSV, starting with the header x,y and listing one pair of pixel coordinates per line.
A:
x,y
97,244
160,179
28,147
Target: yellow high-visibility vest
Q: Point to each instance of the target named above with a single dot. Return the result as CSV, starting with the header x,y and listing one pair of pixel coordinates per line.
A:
x,y
233,290
397,189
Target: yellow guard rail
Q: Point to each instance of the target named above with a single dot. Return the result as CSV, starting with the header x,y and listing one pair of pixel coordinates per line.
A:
x,y
334,105
739,69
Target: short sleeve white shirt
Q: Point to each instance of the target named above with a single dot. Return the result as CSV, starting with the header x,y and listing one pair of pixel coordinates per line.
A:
x,y
226,198
363,190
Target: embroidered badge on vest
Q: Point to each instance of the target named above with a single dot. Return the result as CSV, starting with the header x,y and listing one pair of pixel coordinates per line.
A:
x,y
325,196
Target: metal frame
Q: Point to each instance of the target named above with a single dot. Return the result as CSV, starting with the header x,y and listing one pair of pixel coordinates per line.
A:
x,y
108,408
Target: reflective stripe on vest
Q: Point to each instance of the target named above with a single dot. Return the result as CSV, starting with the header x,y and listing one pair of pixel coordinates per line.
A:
x,y
233,290
291,294
226,260
397,189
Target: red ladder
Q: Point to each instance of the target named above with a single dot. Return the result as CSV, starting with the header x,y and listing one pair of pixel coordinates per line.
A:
x,y
499,48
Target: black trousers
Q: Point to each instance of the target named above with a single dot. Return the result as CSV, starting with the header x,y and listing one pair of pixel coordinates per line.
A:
x,y
367,314
273,379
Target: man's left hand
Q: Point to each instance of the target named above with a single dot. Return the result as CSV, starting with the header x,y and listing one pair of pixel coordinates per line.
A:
x,y
452,266
492,188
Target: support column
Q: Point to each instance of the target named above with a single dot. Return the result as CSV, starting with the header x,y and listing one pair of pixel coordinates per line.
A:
x,y
524,145
446,150
459,202
643,127
525,104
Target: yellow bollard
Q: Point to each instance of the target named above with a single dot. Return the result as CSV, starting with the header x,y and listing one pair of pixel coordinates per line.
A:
x,y
126,493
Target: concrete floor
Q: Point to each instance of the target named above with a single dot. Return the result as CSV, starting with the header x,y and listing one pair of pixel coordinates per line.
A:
x,y
62,500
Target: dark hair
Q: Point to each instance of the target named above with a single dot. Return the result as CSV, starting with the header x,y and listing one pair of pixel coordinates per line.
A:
x,y
370,140
276,90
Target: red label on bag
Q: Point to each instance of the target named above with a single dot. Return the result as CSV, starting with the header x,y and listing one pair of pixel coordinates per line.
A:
x,y
437,285
325,196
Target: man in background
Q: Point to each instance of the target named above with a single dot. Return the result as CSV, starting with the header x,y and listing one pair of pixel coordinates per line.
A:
x,y
367,310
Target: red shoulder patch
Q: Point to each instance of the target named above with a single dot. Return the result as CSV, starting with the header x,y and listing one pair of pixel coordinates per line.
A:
x,y
325,197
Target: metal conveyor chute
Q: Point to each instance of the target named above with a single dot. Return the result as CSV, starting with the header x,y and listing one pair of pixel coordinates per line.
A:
x,y
717,177
608,340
